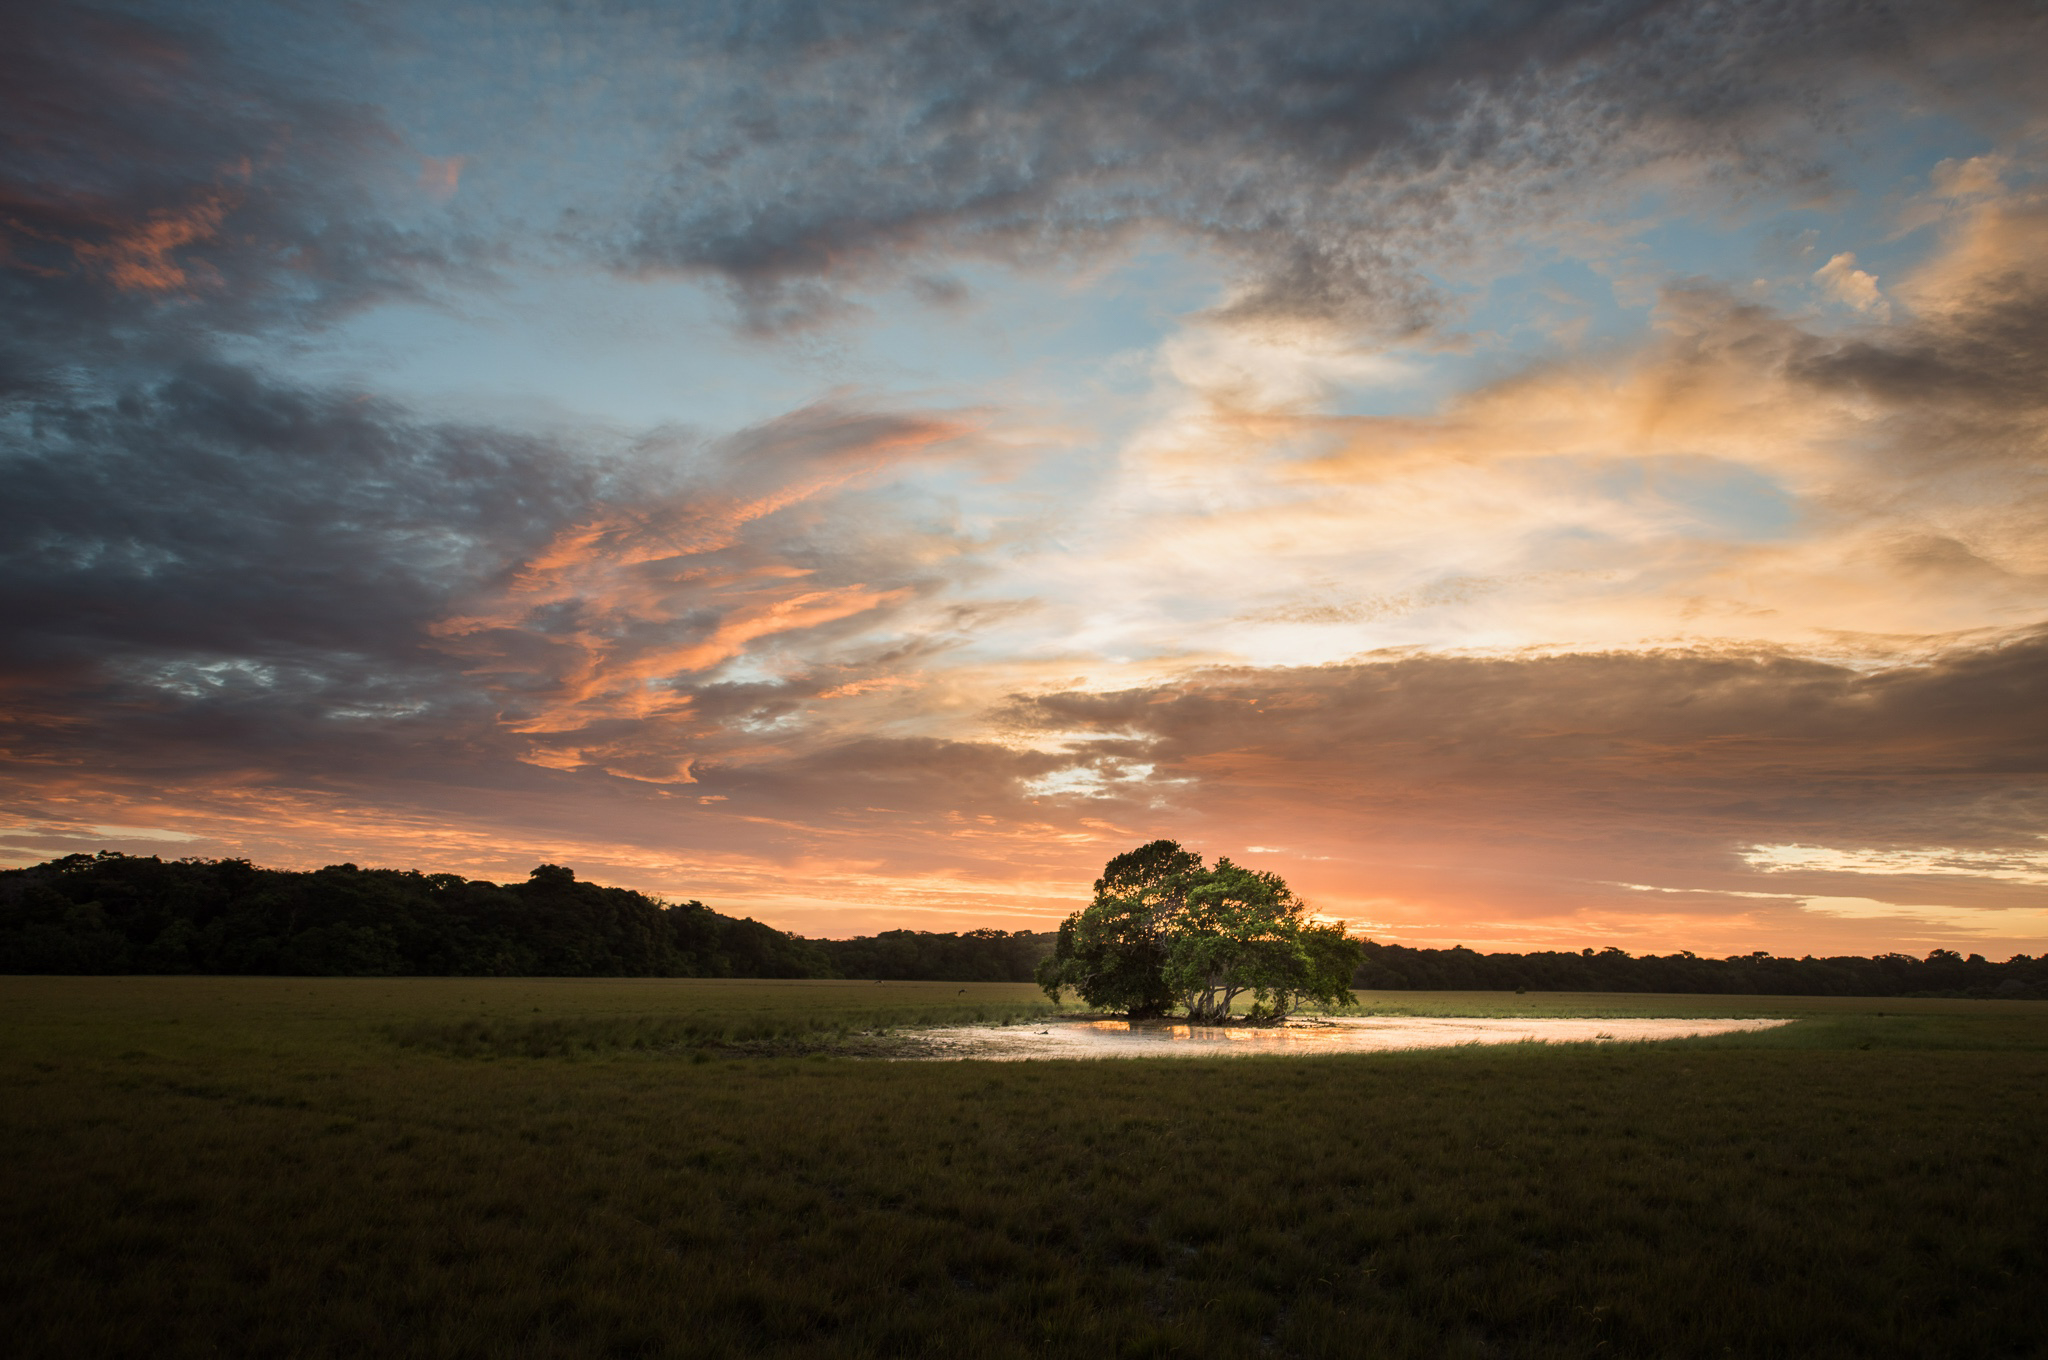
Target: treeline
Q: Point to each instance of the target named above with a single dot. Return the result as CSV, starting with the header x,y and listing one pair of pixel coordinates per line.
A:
x,y
917,955
115,913
1393,967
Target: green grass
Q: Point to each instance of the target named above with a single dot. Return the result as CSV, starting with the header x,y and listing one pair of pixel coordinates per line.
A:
x,y
279,1167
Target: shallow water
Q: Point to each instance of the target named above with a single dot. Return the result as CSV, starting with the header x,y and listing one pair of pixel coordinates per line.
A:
x,y
1368,1034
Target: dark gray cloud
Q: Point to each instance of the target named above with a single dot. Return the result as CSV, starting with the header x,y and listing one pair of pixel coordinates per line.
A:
x,y
1951,400
214,511
180,535
1979,340
213,582
215,560
1336,151
157,192
204,564
1607,760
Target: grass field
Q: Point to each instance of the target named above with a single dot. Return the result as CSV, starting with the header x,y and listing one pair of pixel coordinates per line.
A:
x,y
284,1167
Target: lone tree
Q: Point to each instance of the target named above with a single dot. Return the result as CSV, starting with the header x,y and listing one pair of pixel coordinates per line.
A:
x,y
1164,929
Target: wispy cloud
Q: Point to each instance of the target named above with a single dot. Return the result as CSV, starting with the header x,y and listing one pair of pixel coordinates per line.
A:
x,y
2005,866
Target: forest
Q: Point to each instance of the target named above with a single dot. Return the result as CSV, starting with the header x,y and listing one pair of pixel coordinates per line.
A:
x,y
112,913
1944,972
115,913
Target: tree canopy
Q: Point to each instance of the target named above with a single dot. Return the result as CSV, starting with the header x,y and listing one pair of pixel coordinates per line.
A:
x,y
1164,929
114,913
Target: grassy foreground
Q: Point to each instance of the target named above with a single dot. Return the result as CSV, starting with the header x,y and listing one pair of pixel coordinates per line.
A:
x,y
631,1168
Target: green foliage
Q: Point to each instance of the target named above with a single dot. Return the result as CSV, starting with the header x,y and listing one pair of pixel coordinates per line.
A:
x,y
1164,929
1113,954
1327,959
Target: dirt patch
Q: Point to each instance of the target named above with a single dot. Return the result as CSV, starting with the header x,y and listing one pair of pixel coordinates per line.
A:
x,y
1300,1038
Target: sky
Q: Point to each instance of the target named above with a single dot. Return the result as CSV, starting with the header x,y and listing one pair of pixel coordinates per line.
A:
x,y
1536,475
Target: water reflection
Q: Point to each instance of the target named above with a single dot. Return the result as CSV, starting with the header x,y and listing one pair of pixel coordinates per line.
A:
x,y
1143,1030
1349,1034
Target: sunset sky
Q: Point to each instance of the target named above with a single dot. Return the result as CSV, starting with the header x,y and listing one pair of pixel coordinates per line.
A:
x,y
1537,475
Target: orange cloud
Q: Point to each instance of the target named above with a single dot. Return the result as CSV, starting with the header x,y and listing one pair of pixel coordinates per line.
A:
x,y
610,677
138,257
134,255
637,599
614,610
808,610
440,176
871,685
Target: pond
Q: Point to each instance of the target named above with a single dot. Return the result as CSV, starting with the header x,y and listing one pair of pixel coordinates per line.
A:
x,y
1297,1038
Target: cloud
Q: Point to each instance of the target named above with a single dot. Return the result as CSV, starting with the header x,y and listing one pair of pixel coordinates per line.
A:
x,y
1977,341
2014,867
630,609
441,176
1336,156
1969,177
1624,767
141,256
157,190
1853,287
216,514
265,612
1734,474
1627,613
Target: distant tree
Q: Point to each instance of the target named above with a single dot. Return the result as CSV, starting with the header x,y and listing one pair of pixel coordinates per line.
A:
x,y
1165,929
1942,973
972,956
